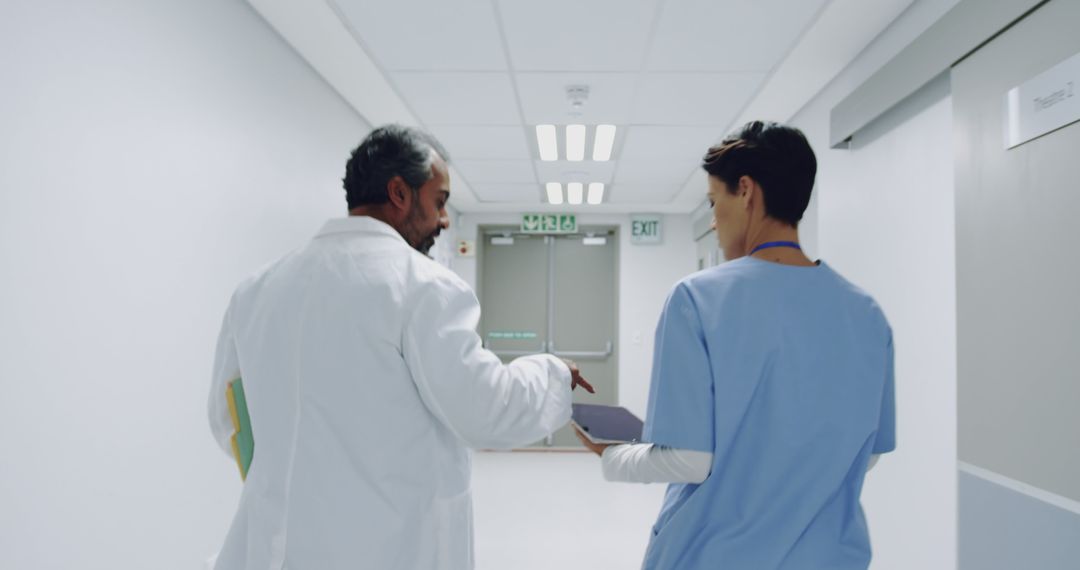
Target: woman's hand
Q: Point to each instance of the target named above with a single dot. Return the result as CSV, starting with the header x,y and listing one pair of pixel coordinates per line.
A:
x,y
597,448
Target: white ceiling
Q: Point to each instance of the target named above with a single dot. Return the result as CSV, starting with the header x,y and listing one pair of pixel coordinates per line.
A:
x,y
479,74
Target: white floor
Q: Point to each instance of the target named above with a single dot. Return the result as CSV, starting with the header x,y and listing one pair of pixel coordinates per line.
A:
x,y
547,511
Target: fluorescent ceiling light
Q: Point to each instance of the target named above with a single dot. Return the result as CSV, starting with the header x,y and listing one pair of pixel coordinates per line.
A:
x,y
502,240
603,143
554,192
596,192
574,192
547,140
594,241
575,143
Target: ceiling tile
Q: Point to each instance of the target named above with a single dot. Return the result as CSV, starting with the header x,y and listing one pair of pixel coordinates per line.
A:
x,y
653,172
425,35
543,97
443,98
508,192
727,35
469,142
571,35
693,98
479,172
641,193
566,171
684,145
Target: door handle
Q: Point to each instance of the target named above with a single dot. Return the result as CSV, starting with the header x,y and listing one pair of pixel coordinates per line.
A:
x,y
582,354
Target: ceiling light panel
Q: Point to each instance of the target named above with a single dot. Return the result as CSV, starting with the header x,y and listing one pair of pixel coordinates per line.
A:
x,y
603,142
575,143
574,193
547,140
554,193
596,193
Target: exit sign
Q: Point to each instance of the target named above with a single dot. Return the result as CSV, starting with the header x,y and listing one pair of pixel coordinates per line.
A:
x,y
645,229
549,223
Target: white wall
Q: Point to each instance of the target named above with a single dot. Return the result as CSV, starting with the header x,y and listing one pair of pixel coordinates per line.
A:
x,y
885,219
646,275
152,154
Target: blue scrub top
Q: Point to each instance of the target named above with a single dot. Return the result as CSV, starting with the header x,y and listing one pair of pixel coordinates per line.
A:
x,y
785,374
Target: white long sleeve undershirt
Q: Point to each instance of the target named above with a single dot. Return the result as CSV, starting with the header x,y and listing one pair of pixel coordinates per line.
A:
x,y
649,463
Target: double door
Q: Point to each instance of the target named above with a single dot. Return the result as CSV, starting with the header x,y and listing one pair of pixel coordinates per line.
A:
x,y
553,294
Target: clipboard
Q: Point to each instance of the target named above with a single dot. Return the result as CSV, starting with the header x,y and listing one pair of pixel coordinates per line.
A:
x,y
607,424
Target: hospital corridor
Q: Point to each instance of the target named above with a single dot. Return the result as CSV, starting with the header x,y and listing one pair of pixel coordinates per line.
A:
x,y
553,285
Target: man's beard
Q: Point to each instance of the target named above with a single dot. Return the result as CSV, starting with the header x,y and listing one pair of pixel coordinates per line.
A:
x,y
417,239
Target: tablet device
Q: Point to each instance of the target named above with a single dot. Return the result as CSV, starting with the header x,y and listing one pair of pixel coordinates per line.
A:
x,y
607,424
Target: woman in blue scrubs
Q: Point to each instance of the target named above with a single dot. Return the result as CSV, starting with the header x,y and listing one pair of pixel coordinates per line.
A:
x,y
772,384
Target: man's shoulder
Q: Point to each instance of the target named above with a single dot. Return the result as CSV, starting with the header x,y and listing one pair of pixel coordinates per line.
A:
x,y
255,280
429,273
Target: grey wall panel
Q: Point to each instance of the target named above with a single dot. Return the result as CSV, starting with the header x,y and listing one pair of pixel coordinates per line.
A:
x,y
1001,529
956,34
1018,320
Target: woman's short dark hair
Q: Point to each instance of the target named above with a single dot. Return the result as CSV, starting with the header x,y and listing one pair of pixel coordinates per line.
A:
x,y
777,157
389,151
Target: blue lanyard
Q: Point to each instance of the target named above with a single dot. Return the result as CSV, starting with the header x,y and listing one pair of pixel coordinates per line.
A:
x,y
767,245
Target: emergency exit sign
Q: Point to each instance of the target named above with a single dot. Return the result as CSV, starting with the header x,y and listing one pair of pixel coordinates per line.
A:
x,y
549,223
645,229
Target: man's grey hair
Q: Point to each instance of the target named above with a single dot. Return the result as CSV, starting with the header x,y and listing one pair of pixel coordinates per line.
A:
x,y
389,151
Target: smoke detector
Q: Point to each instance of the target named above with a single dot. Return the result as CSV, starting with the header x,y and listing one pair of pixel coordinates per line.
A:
x,y
577,96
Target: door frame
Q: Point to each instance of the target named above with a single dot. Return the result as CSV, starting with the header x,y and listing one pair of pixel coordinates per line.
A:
x,y
613,231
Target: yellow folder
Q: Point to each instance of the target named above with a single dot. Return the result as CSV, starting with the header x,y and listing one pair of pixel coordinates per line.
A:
x,y
243,441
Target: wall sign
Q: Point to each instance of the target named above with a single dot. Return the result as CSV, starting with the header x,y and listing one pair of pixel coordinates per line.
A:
x,y
1043,103
646,229
549,223
514,335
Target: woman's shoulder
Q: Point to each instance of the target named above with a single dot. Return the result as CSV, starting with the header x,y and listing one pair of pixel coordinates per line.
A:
x,y
729,272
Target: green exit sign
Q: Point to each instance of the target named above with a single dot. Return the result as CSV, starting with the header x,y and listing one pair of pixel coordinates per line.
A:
x,y
549,223
645,229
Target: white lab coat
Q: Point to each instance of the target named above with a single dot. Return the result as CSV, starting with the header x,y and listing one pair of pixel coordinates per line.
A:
x,y
367,384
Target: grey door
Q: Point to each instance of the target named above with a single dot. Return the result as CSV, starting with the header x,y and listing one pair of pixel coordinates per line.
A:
x,y
555,294
514,291
1018,319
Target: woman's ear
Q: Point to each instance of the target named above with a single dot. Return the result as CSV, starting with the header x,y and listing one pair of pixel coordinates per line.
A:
x,y
747,189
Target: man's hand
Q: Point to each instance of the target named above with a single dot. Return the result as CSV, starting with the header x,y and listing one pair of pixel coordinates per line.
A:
x,y
597,448
576,379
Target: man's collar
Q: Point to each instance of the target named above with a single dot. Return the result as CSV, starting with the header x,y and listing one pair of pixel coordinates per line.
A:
x,y
363,224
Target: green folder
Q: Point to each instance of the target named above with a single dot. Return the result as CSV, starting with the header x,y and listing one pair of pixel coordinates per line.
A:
x,y
243,441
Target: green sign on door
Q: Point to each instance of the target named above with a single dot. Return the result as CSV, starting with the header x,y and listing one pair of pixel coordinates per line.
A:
x,y
549,223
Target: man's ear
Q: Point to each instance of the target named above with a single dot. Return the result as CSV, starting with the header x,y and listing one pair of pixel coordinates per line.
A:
x,y
400,194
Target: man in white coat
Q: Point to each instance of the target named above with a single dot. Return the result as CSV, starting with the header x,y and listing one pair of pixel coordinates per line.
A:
x,y
367,383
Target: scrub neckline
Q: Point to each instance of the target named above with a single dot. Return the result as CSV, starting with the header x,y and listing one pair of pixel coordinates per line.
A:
x,y
817,264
